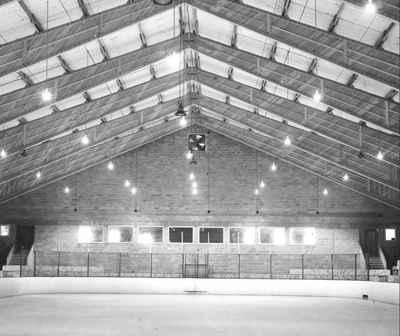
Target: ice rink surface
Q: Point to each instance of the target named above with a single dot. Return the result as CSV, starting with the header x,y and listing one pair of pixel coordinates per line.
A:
x,y
200,315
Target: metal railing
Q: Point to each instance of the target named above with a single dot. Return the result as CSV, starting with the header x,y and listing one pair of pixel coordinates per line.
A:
x,y
197,265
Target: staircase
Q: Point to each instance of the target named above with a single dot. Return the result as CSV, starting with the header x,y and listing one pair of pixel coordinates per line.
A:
x,y
18,258
375,263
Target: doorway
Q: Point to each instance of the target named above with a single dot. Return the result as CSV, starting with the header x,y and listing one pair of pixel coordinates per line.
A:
x,y
371,242
24,237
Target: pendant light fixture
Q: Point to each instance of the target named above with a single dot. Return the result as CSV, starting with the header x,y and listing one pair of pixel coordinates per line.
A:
x,y
46,93
180,112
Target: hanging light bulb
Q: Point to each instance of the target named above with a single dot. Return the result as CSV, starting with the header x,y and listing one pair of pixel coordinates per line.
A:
x,y
262,184
274,167
194,185
110,166
345,177
191,176
46,95
66,190
370,7
256,192
3,154
127,184
325,192
38,175
287,142
183,121
189,155
85,140
194,191
174,60
317,96
133,191
379,156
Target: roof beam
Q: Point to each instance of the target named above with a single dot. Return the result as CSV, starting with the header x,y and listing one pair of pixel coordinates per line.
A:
x,y
40,156
25,78
306,163
18,103
32,18
336,19
87,158
356,56
285,9
351,100
84,9
64,64
32,49
329,125
142,36
49,126
311,143
385,34
103,50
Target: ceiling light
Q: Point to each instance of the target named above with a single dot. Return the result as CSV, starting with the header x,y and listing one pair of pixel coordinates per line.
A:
x,y
3,154
256,192
174,60
38,175
317,96
346,177
127,184
194,184
163,2
133,191
194,191
66,190
191,176
379,156
274,167
325,192
189,155
46,95
183,122
287,142
110,166
85,140
262,184
370,8
180,111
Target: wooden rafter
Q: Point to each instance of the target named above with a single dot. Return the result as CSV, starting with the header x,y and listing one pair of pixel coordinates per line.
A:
x,y
353,55
18,103
351,100
33,49
32,18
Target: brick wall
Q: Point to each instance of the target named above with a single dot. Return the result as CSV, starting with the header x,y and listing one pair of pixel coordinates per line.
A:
x,y
227,177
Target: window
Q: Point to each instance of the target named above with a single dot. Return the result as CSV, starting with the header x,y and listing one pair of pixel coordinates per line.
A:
x,y
119,234
390,234
180,235
4,230
148,235
90,234
242,235
211,235
273,235
304,236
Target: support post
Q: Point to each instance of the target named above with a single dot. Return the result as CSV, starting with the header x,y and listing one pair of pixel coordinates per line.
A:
x,y
333,276
119,264
355,267
270,265
88,264
151,264
20,263
34,263
239,265
302,267
183,266
58,263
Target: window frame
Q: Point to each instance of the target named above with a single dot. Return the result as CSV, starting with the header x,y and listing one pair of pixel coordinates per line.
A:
x,y
152,226
395,234
303,243
8,229
242,228
119,226
181,227
211,227
93,226
285,230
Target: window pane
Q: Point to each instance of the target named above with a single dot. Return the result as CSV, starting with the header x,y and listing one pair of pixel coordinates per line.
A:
x,y
179,235
150,235
119,234
88,234
390,234
4,230
304,236
212,235
266,236
242,235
